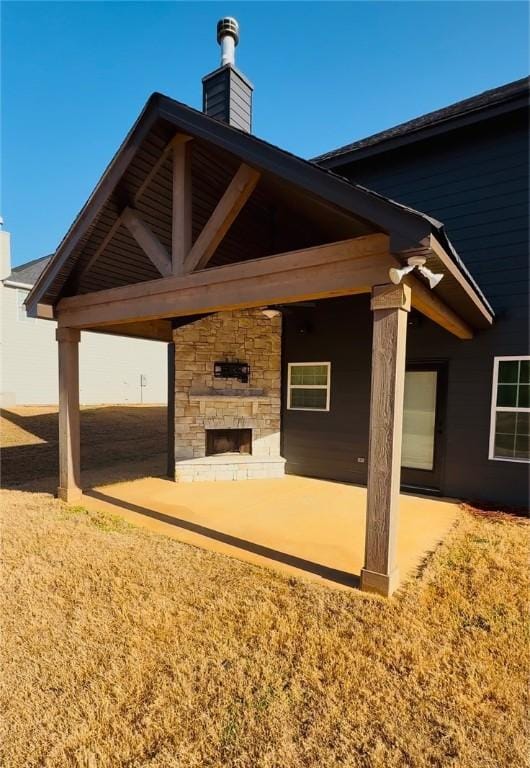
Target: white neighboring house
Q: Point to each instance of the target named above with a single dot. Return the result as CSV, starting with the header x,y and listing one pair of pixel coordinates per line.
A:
x,y
112,369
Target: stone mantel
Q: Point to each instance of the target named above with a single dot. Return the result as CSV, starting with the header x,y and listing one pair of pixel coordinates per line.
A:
x,y
231,394
249,396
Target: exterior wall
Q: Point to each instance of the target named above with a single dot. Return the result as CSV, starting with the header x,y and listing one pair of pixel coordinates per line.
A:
x,y
110,366
476,182
203,402
332,444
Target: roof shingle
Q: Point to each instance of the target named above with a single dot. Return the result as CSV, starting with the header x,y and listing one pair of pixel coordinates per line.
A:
x,y
28,273
493,97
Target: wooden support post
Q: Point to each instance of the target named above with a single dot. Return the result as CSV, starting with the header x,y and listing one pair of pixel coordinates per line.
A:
x,y
390,306
181,217
69,436
171,410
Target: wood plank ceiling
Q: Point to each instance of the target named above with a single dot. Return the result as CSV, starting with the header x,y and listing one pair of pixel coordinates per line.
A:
x,y
276,218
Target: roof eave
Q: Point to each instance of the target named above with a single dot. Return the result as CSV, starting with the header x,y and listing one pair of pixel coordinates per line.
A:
x,y
340,158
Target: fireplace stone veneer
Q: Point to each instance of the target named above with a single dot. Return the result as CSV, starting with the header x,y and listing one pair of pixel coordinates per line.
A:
x,y
204,402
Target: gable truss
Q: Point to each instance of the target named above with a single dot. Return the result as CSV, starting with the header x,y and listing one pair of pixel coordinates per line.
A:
x,y
185,256
341,275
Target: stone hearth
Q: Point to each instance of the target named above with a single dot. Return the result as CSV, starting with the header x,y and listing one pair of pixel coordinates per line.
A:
x,y
204,402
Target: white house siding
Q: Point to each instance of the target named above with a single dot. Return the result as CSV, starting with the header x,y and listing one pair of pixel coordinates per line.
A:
x,y
110,367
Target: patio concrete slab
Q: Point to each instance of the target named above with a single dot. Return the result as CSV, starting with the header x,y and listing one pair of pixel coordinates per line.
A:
x,y
306,527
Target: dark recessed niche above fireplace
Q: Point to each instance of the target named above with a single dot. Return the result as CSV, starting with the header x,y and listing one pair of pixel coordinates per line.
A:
x,y
219,441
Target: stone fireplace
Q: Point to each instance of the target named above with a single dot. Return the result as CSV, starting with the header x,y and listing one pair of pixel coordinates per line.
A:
x,y
227,426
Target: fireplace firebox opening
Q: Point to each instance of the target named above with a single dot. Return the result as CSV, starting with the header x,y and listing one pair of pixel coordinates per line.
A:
x,y
220,441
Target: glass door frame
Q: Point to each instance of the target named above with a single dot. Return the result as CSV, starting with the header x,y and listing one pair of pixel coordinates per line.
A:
x,y
430,480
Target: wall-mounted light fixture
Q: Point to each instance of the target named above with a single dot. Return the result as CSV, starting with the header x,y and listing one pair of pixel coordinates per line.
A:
x,y
413,262
270,313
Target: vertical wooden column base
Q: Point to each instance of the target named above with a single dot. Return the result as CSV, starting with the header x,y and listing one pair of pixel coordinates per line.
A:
x,y
390,306
379,583
69,489
70,495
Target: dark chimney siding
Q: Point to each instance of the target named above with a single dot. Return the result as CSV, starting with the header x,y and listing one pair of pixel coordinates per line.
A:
x,y
227,96
214,96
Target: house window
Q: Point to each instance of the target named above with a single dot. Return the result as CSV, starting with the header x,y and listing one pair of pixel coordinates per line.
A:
x,y
22,315
308,386
510,409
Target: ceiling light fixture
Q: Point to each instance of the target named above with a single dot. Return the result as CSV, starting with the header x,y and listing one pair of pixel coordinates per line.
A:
x,y
270,313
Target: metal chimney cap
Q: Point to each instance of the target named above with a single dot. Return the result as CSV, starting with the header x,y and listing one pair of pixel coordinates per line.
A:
x,y
227,26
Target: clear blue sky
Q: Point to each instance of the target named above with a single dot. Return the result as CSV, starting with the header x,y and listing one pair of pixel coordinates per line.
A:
x,y
75,76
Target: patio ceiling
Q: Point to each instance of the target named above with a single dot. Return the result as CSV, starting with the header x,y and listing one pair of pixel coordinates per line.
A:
x,y
124,235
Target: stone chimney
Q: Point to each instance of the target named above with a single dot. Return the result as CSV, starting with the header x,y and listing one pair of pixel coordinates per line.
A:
x,y
227,94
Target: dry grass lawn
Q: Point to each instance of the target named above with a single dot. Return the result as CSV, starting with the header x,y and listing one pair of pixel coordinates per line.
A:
x,y
124,648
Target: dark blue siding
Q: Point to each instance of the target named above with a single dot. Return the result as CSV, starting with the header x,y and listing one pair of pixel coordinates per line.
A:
x,y
474,180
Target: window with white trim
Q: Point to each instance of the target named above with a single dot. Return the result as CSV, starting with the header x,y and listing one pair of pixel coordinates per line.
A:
x,y
510,409
308,386
22,315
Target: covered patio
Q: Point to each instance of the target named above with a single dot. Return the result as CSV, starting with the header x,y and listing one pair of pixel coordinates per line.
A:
x,y
194,219
313,529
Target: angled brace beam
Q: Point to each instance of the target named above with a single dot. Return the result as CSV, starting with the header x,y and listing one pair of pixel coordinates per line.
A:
x,y
147,241
236,195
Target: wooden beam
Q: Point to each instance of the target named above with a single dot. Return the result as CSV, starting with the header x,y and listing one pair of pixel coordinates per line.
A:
x,y
338,269
69,432
341,250
181,216
45,312
426,302
390,305
154,330
222,218
147,240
